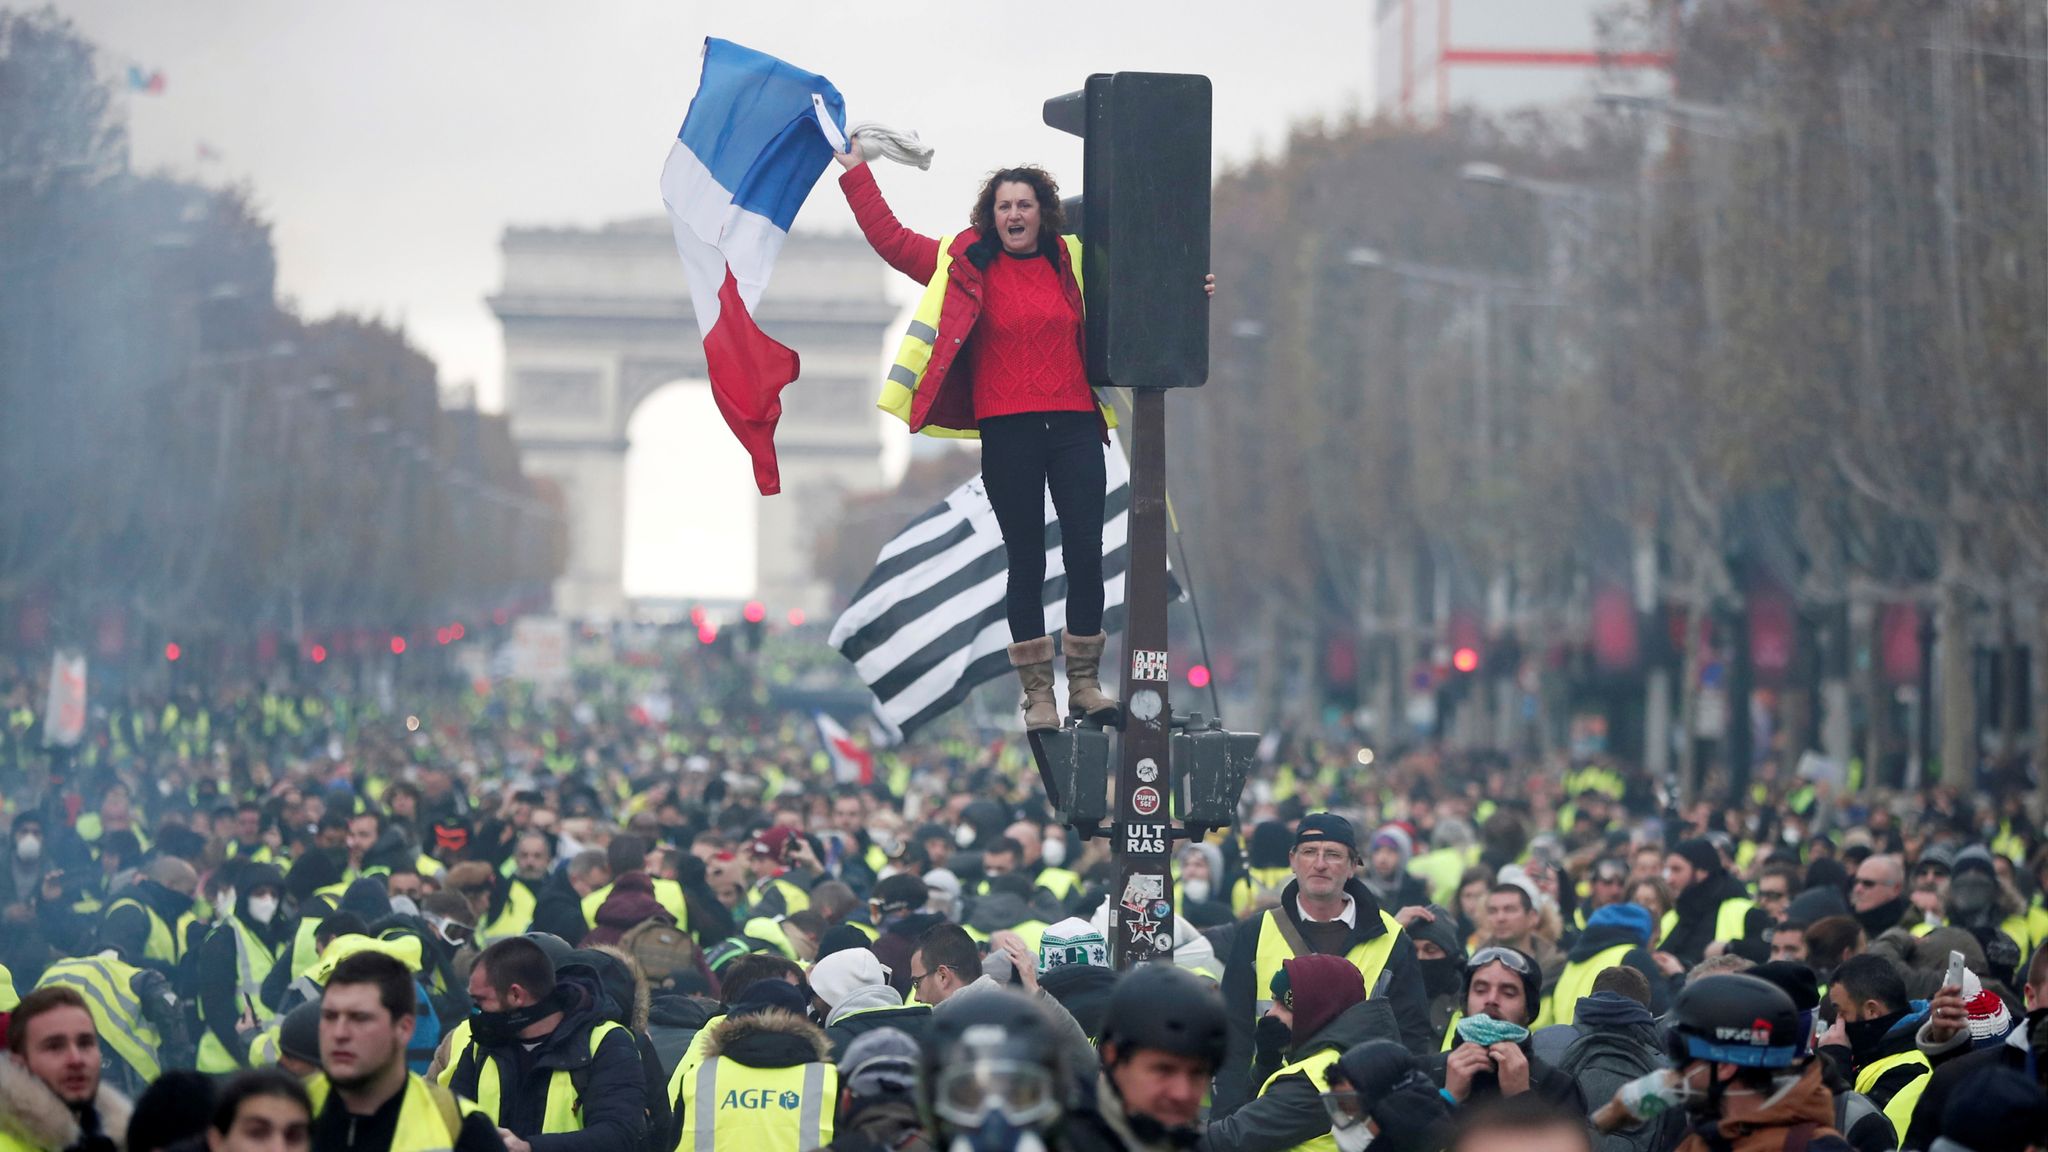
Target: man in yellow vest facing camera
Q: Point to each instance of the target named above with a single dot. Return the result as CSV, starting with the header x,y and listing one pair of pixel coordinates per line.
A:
x,y
1326,909
364,1099
543,1061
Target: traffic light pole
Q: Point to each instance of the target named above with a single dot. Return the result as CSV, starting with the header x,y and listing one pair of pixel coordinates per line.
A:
x,y
1141,916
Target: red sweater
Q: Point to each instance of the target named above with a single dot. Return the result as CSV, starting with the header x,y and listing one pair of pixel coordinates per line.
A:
x,y
1025,354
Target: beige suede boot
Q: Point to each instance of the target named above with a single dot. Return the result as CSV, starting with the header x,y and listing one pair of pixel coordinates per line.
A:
x,y
1033,661
1085,696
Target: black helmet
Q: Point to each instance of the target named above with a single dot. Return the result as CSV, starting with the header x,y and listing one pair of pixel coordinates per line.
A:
x,y
991,1062
1169,1009
1735,1019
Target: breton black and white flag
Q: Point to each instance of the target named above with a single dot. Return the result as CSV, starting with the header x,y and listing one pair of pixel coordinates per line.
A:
x,y
928,625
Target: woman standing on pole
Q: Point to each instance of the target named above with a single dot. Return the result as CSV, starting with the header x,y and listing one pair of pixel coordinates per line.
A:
x,y
995,351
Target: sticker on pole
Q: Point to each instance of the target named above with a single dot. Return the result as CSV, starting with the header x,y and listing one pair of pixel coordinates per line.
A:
x,y
1148,770
1148,664
1145,800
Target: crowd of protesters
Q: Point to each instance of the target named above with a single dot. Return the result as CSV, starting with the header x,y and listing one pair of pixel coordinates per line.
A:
x,y
667,920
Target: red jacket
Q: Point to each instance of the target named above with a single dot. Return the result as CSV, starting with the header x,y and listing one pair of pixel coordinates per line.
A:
x,y
945,397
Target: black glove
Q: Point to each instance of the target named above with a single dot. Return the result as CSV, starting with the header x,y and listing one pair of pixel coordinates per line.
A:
x,y
1270,1039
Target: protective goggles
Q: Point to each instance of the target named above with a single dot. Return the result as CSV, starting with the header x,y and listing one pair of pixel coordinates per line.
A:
x,y
966,1095
452,932
1512,960
1346,1109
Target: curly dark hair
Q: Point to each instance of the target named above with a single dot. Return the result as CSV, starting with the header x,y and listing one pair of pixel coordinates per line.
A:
x,y
1052,219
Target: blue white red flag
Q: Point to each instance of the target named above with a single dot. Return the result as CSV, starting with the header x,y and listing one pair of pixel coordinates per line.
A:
x,y
757,135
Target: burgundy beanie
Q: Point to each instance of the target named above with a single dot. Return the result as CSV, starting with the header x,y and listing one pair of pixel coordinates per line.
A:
x,y
1323,987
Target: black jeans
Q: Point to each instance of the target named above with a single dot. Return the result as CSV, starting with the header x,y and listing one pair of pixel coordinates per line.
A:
x,y
1021,457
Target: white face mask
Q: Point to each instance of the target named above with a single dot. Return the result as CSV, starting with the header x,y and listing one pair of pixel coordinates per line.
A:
x,y
262,908
1356,1138
1055,852
1196,889
224,904
29,847
963,835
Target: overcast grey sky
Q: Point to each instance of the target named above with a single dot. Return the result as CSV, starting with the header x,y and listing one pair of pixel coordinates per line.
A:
x,y
391,142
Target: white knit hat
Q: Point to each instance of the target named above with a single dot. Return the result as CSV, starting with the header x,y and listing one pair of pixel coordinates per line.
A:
x,y
840,974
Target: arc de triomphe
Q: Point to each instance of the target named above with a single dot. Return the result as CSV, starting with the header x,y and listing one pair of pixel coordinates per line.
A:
x,y
597,319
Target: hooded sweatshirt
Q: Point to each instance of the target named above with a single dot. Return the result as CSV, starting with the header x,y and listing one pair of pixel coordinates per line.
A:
x,y
1699,910
1396,889
1618,1040
1290,1111
630,904
875,1006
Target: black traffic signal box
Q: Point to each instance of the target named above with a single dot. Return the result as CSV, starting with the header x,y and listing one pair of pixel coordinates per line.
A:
x,y
1145,199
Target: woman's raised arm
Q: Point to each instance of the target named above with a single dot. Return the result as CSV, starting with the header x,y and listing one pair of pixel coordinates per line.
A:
x,y
908,252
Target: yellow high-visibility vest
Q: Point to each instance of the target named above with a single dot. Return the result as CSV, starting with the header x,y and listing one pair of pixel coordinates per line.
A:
x,y
1576,981
563,1111
734,1105
914,352
1315,1066
162,946
429,1118
667,893
1275,949
253,961
514,919
1900,1107
108,987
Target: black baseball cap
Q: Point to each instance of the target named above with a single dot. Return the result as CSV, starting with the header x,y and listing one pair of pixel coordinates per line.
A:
x,y
1325,827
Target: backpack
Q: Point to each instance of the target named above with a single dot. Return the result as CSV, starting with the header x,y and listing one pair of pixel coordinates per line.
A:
x,y
660,948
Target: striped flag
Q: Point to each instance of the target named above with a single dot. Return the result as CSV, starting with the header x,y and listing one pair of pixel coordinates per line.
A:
x,y
928,624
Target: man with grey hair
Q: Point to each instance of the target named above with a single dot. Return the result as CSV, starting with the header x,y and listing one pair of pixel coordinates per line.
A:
x,y
1879,896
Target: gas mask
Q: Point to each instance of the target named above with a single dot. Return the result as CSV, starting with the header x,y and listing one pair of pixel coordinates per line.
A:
x,y
993,1104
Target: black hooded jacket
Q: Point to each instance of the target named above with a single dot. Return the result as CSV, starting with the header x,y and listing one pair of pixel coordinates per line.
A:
x,y
126,928
213,965
1699,909
610,1083
559,909
1291,1112
1403,987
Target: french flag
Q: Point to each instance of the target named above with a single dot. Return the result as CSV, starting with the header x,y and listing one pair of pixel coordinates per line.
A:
x,y
851,763
757,135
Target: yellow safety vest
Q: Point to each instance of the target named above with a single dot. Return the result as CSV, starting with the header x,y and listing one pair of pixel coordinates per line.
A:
x,y
1576,981
429,1119
563,1111
514,919
914,353
1451,1031
700,1044
1280,941
253,962
1033,932
1900,1107
109,991
735,1106
162,946
1728,919
1058,881
667,893
1244,892
9,999
1315,1066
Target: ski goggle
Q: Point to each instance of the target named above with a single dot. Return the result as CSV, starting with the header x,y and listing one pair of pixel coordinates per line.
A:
x,y
1514,961
1346,1109
966,1095
452,932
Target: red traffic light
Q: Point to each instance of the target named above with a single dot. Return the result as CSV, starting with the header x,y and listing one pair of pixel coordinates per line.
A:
x,y
443,636
1465,660
172,652
707,633
319,653
1198,676
755,612
456,631
398,645
796,617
